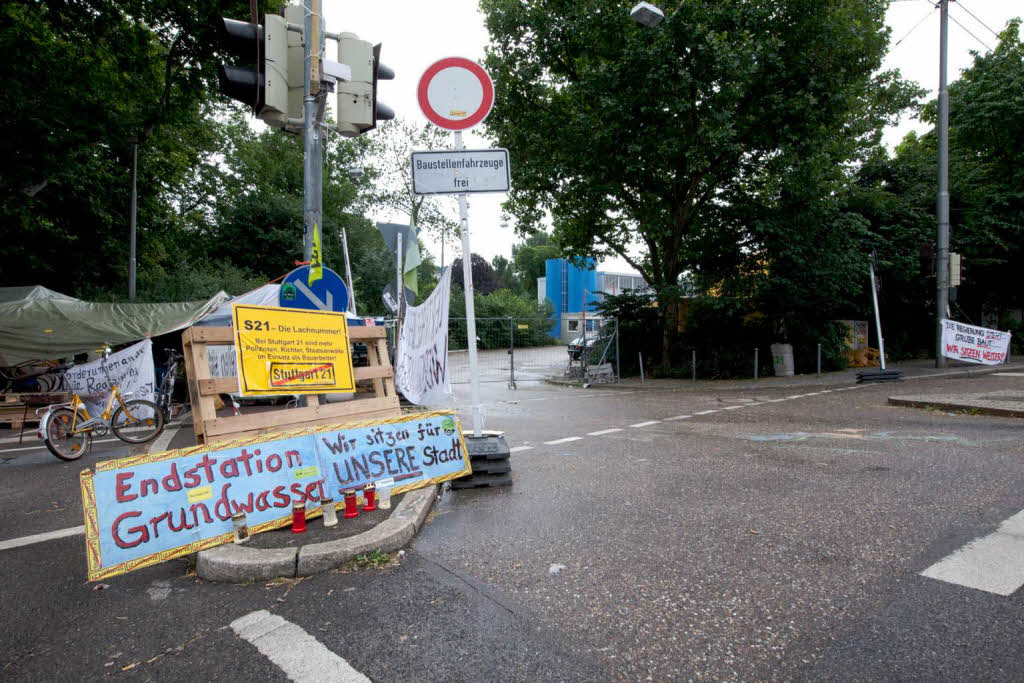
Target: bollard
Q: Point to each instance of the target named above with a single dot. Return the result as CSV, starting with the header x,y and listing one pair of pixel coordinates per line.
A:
x,y
693,366
368,499
299,518
819,360
351,509
641,367
755,362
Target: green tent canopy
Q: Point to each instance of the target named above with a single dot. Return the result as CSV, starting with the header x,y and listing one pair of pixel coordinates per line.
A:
x,y
37,323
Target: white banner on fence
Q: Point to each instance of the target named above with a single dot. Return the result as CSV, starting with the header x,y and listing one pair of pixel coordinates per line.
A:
x,y
421,362
974,344
130,369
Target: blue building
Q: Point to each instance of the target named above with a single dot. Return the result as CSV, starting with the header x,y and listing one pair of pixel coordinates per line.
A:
x,y
570,288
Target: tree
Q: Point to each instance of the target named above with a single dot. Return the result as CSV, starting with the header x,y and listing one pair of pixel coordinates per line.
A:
x,y
391,148
664,135
485,280
529,257
503,269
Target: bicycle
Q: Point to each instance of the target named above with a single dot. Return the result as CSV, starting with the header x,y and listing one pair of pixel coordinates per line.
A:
x,y
67,428
165,392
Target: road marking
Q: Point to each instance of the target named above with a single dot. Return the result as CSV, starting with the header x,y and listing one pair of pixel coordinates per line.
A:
x,y
993,563
162,441
791,397
737,407
518,449
705,412
678,417
565,440
39,538
43,446
603,432
1008,374
646,424
299,655
775,400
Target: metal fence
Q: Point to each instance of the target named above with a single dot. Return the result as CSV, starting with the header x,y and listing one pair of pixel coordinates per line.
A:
x,y
514,350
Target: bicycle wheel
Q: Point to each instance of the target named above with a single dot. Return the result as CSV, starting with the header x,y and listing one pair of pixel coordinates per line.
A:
x,y
59,438
137,421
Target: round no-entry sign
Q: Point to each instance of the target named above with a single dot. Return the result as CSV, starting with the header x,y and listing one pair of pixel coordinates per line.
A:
x,y
455,93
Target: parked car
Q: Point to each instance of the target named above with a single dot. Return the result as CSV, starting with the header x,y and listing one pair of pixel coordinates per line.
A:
x,y
576,345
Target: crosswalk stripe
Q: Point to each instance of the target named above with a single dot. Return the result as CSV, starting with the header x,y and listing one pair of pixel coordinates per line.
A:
x,y
299,655
993,563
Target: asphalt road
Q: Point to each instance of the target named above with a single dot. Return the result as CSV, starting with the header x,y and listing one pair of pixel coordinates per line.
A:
x,y
774,533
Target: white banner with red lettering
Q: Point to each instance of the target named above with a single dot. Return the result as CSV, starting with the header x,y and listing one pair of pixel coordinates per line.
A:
x,y
974,344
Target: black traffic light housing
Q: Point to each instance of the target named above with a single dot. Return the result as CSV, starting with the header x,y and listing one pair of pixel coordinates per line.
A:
x,y
244,43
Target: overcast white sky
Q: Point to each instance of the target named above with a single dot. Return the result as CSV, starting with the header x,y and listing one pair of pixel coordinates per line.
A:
x,y
415,34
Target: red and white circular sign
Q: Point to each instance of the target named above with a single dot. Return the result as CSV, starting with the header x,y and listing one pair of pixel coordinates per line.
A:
x,y
455,93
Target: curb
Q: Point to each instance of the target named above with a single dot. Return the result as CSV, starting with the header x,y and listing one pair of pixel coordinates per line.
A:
x,y
235,563
955,407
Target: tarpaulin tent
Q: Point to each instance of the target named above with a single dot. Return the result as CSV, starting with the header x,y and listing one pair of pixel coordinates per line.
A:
x,y
38,323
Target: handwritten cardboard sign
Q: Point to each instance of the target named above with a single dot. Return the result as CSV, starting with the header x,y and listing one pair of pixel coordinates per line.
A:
x,y
150,508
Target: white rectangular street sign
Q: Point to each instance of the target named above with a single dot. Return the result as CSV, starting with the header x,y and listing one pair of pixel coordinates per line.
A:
x,y
460,171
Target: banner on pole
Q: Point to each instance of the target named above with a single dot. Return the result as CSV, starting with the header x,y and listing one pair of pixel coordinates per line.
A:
x,y
131,369
421,362
974,344
150,508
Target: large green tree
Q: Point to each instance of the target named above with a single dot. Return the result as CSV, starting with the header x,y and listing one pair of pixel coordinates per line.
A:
x,y
649,143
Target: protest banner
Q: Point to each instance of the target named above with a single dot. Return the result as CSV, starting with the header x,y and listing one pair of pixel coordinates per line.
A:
x,y
974,344
131,369
150,508
291,351
421,362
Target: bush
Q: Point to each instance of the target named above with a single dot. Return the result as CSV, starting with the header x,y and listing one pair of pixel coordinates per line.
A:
x,y
499,315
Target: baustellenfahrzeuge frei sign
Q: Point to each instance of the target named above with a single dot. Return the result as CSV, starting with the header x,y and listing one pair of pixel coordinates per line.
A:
x,y
974,344
460,171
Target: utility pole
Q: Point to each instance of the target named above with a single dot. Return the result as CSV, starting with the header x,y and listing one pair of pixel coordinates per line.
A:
x,y
131,219
942,207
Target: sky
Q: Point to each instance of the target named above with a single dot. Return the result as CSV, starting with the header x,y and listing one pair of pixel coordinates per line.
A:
x,y
415,34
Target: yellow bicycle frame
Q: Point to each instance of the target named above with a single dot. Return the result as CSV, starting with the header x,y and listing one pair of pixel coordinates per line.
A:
x,y
76,403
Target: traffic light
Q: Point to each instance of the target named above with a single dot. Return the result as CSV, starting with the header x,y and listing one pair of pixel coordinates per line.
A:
x,y
358,107
261,80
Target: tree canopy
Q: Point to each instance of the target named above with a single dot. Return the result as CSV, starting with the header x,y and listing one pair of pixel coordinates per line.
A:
x,y
661,145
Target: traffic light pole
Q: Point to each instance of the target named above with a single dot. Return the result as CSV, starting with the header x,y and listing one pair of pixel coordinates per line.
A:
x,y
312,171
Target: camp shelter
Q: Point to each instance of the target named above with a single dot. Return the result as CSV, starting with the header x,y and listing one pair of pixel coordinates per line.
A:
x,y
39,323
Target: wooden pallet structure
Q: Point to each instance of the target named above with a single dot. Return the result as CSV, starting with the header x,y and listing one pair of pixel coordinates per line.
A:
x,y
202,389
19,410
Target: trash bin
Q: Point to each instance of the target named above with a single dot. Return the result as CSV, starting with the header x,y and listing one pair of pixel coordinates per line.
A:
x,y
782,359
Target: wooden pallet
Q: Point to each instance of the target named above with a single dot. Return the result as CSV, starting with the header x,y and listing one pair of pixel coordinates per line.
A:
x,y
12,407
381,402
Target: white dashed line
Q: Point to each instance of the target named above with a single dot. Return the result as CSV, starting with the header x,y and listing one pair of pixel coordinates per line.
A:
x,y
519,449
705,412
678,417
565,440
39,538
299,655
797,396
646,424
993,563
603,432
737,407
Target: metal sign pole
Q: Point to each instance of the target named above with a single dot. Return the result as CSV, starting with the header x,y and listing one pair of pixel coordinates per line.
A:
x,y
348,274
878,319
399,289
467,280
